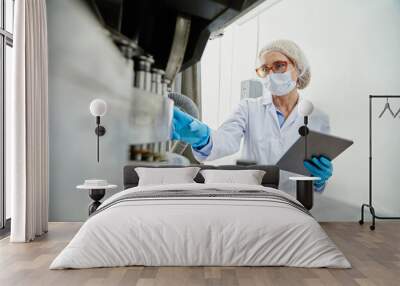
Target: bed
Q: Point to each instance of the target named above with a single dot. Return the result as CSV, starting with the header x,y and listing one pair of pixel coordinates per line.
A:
x,y
199,224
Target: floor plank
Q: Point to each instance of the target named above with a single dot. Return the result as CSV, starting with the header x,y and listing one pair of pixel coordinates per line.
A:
x,y
375,257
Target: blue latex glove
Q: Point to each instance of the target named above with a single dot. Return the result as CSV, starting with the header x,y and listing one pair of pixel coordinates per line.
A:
x,y
319,167
190,130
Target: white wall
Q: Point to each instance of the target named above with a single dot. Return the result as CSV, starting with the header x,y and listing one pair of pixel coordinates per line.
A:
x,y
353,48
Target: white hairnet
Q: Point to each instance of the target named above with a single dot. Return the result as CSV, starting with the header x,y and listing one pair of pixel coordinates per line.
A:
x,y
295,54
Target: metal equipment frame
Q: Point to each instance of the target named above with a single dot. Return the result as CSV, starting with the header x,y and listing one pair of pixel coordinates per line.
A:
x,y
370,204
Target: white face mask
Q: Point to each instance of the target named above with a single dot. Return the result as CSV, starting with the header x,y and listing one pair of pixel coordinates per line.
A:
x,y
279,83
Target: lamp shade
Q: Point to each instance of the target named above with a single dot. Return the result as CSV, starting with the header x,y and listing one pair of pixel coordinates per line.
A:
x,y
98,107
305,107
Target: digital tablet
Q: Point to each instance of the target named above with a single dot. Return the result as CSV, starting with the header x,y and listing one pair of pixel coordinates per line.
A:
x,y
317,144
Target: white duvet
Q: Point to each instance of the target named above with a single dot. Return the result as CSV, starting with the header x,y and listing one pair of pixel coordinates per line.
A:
x,y
200,231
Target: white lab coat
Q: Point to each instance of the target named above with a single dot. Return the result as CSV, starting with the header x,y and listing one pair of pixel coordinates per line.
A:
x,y
265,141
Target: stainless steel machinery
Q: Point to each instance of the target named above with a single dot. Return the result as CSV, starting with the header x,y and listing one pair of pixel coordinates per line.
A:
x,y
158,39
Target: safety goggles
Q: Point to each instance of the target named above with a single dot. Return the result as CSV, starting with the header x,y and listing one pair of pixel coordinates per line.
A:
x,y
276,67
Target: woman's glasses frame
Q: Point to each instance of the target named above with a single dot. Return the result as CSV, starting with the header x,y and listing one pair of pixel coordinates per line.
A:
x,y
276,67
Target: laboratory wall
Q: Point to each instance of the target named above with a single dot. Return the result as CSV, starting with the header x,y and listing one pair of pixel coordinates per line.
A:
x,y
353,49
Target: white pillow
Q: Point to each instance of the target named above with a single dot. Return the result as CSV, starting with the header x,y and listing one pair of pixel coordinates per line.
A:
x,y
165,176
248,177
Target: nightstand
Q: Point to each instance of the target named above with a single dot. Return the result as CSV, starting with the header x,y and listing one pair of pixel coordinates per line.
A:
x,y
97,190
304,190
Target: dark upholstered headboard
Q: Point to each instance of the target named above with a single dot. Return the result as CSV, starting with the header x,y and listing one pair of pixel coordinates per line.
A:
x,y
270,179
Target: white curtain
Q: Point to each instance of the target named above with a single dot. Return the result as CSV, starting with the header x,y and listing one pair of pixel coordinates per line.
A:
x,y
28,123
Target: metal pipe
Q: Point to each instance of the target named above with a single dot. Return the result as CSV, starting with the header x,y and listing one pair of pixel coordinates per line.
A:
x,y
166,145
143,81
143,72
157,88
178,48
128,53
156,81
166,85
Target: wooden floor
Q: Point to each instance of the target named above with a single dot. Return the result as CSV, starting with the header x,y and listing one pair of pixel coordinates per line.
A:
x,y
375,257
